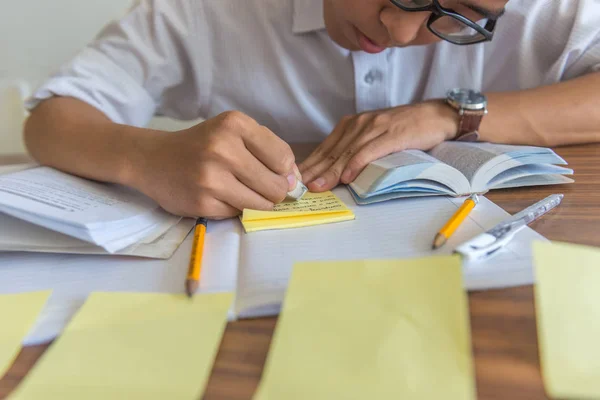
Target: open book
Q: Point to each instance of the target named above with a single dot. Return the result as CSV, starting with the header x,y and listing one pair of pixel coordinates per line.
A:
x,y
45,210
458,169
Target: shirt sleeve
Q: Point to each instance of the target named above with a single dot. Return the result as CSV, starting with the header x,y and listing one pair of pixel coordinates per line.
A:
x,y
581,51
562,39
141,65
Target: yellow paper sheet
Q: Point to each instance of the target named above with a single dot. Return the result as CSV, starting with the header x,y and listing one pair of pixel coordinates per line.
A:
x,y
567,298
18,313
312,209
394,329
132,346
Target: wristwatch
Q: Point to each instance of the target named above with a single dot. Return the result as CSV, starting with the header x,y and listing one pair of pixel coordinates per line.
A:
x,y
471,106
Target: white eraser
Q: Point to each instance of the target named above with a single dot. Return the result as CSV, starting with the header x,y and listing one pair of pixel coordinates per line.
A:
x,y
299,191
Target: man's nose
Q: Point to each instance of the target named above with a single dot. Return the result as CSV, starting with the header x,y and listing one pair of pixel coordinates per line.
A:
x,y
403,26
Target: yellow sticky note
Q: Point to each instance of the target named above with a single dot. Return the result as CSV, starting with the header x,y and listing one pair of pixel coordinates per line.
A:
x,y
132,346
18,313
567,299
312,209
379,329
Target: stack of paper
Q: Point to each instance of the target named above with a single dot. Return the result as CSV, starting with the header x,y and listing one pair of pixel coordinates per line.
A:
x,y
19,235
110,216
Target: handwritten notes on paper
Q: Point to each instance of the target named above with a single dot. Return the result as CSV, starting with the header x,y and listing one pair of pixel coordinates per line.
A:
x,y
132,346
567,303
312,209
18,313
393,329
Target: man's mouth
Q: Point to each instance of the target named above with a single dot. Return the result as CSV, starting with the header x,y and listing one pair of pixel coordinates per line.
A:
x,y
366,44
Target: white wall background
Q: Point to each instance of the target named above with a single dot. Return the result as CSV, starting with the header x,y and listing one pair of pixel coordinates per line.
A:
x,y
36,37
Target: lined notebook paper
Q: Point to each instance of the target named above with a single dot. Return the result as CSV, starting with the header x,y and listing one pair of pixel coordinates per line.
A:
x,y
132,346
263,260
18,313
395,229
567,303
312,209
394,329
74,277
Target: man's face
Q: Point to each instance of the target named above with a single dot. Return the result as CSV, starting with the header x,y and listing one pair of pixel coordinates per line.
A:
x,y
373,25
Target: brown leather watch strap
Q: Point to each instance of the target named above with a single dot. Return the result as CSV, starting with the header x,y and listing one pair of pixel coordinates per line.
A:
x,y
469,125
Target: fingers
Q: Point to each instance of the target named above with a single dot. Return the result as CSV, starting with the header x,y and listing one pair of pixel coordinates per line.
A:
x,y
215,183
262,180
257,157
270,150
216,209
329,172
297,173
241,196
311,167
379,147
277,156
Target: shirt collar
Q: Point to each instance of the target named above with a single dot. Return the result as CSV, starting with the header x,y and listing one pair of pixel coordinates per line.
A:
x,y
308,16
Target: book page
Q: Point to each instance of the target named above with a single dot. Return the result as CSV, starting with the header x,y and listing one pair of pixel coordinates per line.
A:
x,y
19,235
405,158
395,229
385,318
406,172
378,173
467,157
107,215
45,192
132,346
482,162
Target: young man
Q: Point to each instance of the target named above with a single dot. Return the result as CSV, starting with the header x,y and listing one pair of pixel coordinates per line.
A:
x,y
364,77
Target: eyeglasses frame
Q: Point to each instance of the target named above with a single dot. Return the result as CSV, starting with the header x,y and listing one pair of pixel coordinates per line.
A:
x,y
438,11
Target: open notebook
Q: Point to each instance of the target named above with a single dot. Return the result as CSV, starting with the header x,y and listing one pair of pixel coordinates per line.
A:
x,y
258,265
458,169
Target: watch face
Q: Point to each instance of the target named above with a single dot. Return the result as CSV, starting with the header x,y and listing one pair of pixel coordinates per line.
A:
x,y
467,98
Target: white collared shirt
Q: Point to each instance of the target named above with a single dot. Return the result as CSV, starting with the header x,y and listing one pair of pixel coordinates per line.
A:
x,y
273,60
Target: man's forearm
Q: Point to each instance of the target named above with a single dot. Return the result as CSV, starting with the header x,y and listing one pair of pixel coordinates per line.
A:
x,y
73,136
564,113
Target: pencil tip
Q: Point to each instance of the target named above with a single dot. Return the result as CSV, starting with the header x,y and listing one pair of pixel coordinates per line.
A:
x,y
191,287
438,242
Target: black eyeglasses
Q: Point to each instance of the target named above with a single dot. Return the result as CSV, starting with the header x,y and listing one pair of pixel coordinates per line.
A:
x,y
449,25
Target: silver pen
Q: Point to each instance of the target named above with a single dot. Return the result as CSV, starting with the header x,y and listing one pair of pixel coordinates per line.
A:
x,y
486,244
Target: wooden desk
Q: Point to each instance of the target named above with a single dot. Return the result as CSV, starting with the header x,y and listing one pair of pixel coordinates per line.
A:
x,y
503,321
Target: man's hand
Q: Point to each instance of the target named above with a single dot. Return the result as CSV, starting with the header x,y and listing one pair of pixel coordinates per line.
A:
x,y
218,168
360,139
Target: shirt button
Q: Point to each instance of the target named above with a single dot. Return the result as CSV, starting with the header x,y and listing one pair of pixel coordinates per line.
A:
x,y
373,76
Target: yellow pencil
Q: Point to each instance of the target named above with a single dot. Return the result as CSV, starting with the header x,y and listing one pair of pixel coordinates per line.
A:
x,y
193,277
454,222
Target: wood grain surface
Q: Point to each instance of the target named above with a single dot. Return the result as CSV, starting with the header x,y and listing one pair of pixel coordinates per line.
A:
x,y
502,321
